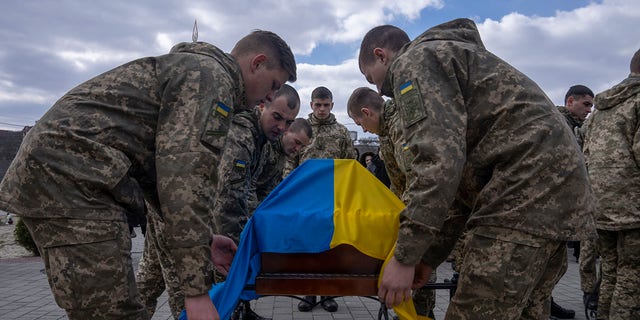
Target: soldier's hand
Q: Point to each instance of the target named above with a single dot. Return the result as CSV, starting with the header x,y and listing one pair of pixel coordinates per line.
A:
x,y
222,251
423,273
200,308
395,286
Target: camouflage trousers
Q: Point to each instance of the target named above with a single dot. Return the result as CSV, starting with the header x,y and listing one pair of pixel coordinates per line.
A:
x,y
424,300
89,268
620,287
587,260
157,272
507,274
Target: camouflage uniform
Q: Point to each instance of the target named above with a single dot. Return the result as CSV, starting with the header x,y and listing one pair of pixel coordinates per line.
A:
x,y
157,272
490,149
612,150
239,169
397,163
156,126
272,164
331,140
588,253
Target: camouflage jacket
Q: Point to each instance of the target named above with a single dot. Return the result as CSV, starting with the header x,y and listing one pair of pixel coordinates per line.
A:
x,y
612,151
574,123
156,126
331,140
238,171
486,135
272,165
391,147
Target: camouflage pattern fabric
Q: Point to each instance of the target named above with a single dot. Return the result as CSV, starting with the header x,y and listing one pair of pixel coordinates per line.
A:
x,y
396,162
156,271
238,171
391,148
496,145
505,279
619,296
272,163
588,253
612,151
587,261
88,265
331,140
154,126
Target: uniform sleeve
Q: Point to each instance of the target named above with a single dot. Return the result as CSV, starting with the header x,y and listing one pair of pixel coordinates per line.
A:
x,y
231,211
291,163
192,125
427,91
450,233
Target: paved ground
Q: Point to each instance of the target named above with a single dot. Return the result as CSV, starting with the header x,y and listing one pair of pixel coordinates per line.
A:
x,y
25,294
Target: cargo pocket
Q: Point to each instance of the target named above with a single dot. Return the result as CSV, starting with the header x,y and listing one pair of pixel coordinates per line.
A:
x,y
89,263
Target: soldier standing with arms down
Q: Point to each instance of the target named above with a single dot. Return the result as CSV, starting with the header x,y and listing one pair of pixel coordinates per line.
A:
x,y
487,145
612,151
331,140
578,102
156,127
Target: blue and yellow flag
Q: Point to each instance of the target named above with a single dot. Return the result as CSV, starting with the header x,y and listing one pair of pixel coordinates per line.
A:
x,y
320,205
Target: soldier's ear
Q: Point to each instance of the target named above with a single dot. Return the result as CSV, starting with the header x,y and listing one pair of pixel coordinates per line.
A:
x,y
380,54
257,61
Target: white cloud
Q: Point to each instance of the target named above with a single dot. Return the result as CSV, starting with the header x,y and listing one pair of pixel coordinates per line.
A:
x,y
591,45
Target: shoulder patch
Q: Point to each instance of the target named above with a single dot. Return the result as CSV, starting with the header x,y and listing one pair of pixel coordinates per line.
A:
x,y
216,126
222,109
410,103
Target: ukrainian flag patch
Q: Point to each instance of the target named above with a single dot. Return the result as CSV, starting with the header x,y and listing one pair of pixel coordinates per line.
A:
x,y
405,147
240,163
406,87
222,109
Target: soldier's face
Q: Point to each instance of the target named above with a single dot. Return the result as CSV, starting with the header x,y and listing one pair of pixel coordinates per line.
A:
x,y
375,72
293,142
580,106
368,120
262,82
276,117
321,108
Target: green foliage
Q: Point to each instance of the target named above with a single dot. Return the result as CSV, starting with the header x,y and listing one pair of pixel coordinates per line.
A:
x,y
23,237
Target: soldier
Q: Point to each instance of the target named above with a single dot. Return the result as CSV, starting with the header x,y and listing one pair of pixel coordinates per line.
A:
x,y
240,164
578,102
489,146
612,151
368,110
156,127
331,140
275,157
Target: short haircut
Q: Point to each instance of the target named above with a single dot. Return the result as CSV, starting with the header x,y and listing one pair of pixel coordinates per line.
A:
x,y
385,36
293,99
270,43
635,62
578,91
364,96
321,93
301,124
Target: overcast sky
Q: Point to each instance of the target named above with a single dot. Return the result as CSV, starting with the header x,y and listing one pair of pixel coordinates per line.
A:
x,y
48,47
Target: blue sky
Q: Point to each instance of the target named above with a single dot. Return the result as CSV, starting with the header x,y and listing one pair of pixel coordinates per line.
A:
x,y
48,47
